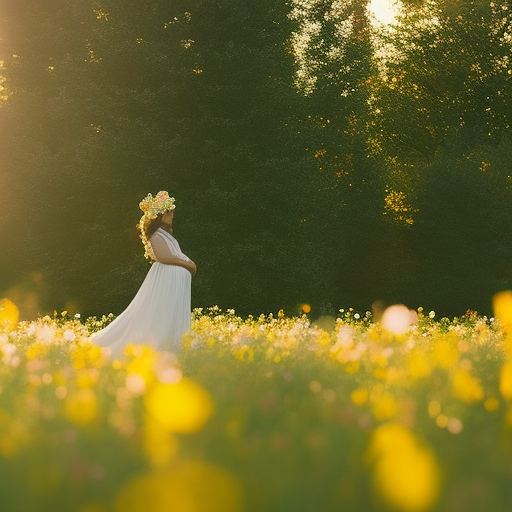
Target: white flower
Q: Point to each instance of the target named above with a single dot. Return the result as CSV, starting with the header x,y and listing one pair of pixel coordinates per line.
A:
x,y
46,334
8,349
69,335
398,318
432,314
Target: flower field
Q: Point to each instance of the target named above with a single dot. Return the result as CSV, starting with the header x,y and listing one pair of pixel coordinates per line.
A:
x,y
409,413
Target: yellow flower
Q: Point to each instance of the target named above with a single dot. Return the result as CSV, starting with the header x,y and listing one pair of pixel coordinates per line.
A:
x,y
244,353
467,388
9,315
444,352
182,407
87,377
142,363
405,473
359,396
418,365
193,486
14,435
506,380
491,404
352,367
160,446
37,350
384,406
502,305
87,354
81,407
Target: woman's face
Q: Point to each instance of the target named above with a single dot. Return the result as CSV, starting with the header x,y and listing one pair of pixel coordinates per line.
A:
x,y
167,217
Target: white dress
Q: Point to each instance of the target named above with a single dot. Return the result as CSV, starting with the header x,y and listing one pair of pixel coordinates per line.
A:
x,y
159,314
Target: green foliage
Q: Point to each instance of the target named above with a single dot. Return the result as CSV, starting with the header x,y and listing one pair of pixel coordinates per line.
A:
x,y
309,163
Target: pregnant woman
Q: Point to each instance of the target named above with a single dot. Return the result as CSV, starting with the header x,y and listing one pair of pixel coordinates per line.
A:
x,y
159,314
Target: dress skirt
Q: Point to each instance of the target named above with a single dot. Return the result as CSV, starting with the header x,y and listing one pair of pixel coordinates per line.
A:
x,y
158,315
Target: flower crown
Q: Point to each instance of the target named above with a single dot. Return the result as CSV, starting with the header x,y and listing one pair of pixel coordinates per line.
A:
x,y
152,207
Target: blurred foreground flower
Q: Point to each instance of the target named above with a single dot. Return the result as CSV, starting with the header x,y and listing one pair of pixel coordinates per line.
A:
x,y
397,319
405,473
182,407
506,381
81,407
9,315
100,435
502,305
191,486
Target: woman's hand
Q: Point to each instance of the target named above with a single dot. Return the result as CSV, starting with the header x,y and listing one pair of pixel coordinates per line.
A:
x,y
164,255
192,268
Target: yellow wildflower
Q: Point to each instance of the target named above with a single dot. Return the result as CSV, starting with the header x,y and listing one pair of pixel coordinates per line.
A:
x,y
81,407
506,380
181,407
193,486
87,354
467,388
143,361
418,365
244,353
359,396
444,351
159,445
37,350
502,305
405,473
87,377
9,315
384,406
491,404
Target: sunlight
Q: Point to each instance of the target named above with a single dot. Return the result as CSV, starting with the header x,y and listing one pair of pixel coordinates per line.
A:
x,y
384,11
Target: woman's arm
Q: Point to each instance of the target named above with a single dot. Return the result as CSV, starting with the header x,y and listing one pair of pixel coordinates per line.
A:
x,y
164,255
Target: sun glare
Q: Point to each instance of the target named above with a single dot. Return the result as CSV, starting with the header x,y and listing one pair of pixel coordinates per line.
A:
x,y
385,11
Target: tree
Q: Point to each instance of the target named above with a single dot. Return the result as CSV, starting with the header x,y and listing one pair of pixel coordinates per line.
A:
x,y
442,118
110,101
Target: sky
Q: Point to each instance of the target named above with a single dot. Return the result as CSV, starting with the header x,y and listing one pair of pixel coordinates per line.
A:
x,y
384,10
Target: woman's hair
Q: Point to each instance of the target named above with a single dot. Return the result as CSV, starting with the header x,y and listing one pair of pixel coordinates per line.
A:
x,y
152,225
147,228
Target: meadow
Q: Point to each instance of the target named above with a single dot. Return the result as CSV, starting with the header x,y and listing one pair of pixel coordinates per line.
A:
x,y
406,412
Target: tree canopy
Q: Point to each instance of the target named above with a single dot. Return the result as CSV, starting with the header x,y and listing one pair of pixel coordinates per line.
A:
x,y
316,157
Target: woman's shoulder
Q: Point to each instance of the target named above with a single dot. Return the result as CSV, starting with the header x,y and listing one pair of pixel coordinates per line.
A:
x,y
158,233
163,233
164,236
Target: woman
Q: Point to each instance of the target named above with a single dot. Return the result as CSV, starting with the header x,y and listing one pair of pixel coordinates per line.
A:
x,y
159,314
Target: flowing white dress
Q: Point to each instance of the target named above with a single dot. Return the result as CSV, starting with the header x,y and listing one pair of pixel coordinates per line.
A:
x,y
159,314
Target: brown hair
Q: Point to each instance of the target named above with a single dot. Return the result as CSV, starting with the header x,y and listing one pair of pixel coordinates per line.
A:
x,y
152,225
